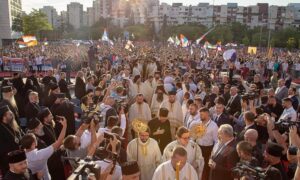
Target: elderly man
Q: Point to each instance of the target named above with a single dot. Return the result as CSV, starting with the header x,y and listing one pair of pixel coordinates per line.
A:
x,y
251,136
224,156
177,164
9,100
175,112
32,108
193,150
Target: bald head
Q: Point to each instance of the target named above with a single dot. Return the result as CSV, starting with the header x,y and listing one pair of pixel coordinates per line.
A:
x,y
251,136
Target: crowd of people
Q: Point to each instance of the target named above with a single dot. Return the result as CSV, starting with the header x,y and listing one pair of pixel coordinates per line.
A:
x,y
152,112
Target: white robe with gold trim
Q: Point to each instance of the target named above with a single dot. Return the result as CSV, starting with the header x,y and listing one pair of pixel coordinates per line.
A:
x,y
155,105
194,154
165,171
148,157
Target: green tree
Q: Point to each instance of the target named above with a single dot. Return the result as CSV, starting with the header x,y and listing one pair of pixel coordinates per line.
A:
x,y
246,41
35,22
291,43
17,25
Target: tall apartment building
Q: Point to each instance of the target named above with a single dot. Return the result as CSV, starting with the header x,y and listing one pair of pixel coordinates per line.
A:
x,y
51,14
75,14
9,10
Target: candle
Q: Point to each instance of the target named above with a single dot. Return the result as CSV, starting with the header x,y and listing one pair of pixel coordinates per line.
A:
x,y
177,170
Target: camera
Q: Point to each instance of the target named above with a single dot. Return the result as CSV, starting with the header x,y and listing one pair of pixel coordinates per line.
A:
x,y
121,103
111,136
244,169
92,115
86,169
283,125
249,96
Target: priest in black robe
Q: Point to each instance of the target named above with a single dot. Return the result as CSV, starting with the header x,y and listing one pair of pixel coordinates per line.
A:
x,y
160,129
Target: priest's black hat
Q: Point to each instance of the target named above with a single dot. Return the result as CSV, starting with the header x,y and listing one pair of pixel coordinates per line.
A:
x,y
6,89
274,149
44,113
33,123
130,168
16,156
53,86
3,110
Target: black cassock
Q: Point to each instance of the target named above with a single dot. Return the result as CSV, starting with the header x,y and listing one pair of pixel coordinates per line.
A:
x,y
65,109
14,110
32,110
55,165
13,176
163,139
9,141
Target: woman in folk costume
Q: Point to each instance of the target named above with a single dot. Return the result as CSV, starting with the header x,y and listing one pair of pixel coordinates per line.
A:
x,y
175,112
157,99
138,110
140,87
146,152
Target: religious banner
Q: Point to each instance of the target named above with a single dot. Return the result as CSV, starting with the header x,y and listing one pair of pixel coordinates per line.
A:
x,y
252,50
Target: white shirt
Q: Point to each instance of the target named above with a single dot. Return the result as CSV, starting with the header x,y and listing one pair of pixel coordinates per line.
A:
x,y
37,161
179,96
297,66
117,174
211,136
289,113
192,120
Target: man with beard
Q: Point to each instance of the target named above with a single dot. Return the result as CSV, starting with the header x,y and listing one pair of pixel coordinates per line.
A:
x,y
159,96
146,152
18,167
32,108
9,100
160,129
175,112
37,128
18,84
140,87
37,159
138,110
192,117
194,154
10,136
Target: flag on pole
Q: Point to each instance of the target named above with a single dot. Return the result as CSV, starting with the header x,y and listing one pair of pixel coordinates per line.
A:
x,y
184,41
270,53
177,41
171,40
129,46
105,36
219,46
192,52
204,35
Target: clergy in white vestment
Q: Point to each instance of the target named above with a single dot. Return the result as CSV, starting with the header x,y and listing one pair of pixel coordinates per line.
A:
x,y
140,87
175,112
146,152
138,110
157,99
151,68
177,168
194,153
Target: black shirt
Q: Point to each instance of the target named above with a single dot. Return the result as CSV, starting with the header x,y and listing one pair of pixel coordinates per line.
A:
x,y
162,139
13,176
